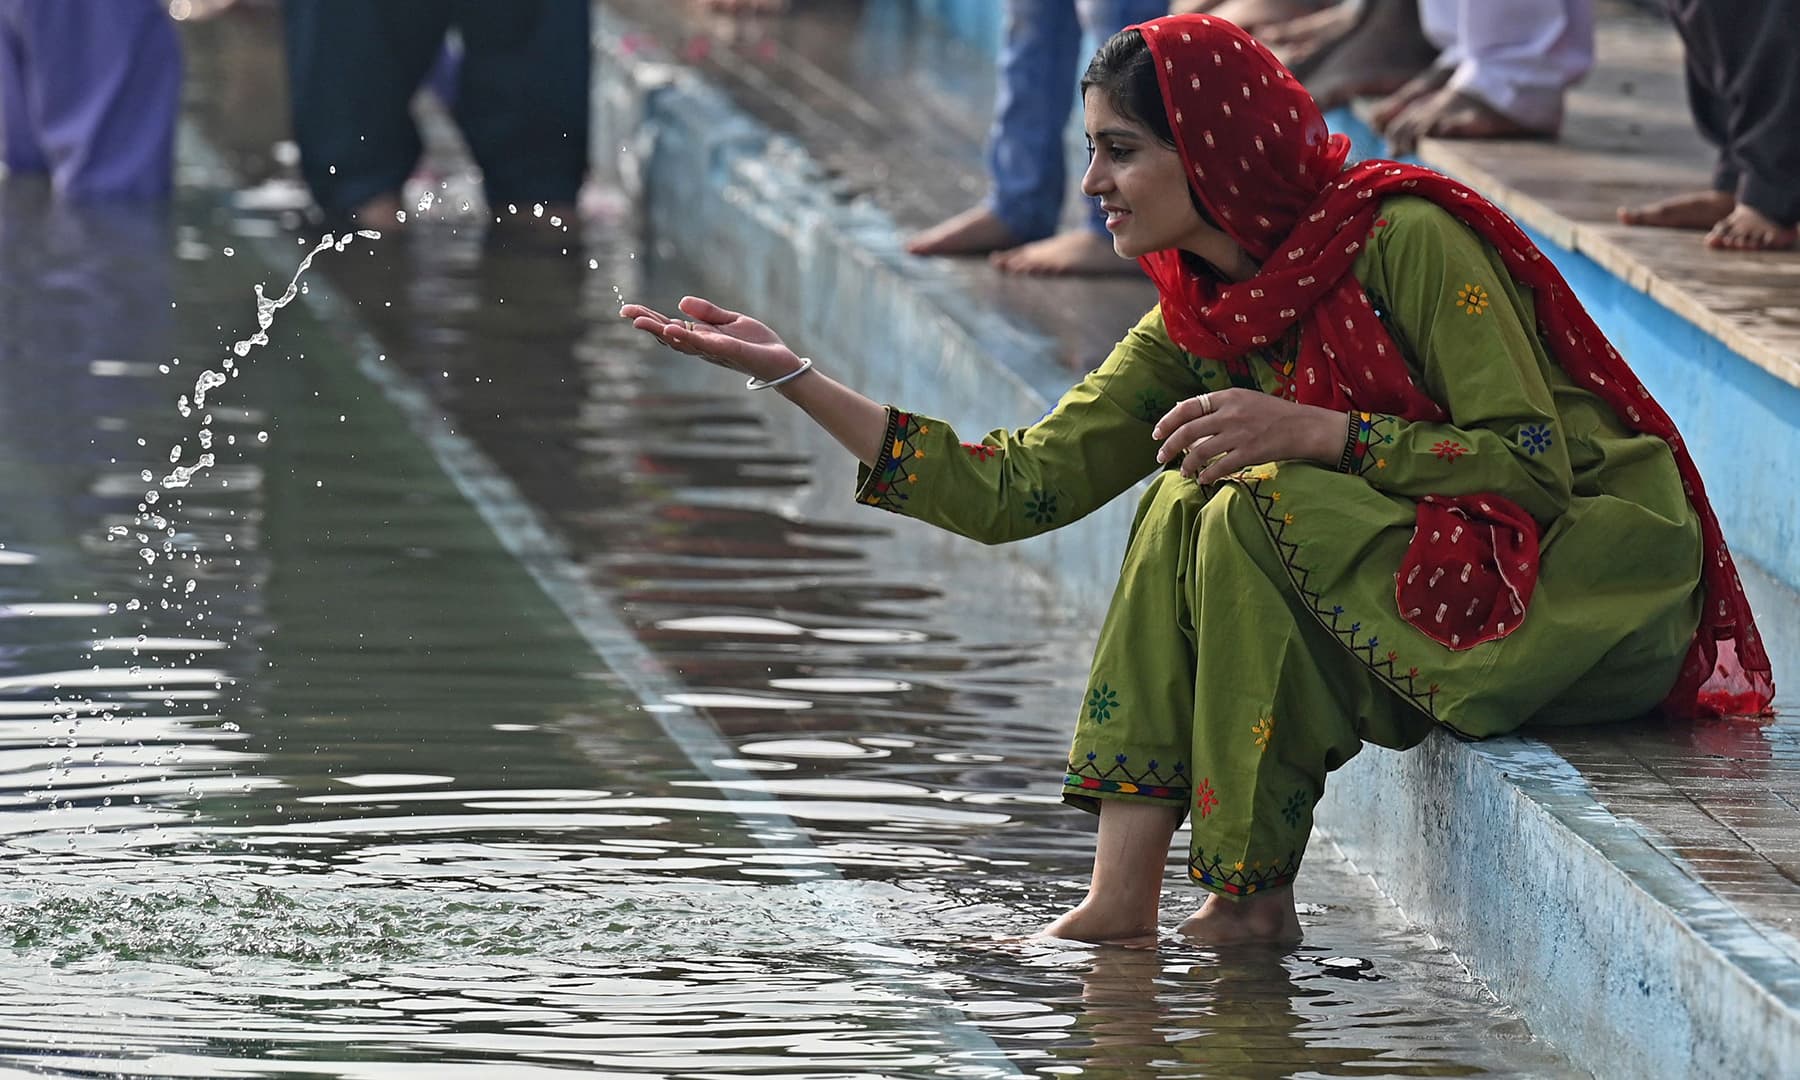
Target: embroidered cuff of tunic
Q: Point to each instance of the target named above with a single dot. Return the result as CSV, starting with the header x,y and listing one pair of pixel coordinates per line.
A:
x,y
1347,459
884,484
1369,432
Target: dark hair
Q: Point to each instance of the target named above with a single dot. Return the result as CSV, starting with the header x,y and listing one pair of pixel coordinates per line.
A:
x,y
1125,71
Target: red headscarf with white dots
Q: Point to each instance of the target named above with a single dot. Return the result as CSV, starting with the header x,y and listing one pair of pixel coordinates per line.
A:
x,y
1261,160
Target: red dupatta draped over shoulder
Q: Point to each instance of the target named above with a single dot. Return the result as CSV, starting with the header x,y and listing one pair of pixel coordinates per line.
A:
x,y
1262,162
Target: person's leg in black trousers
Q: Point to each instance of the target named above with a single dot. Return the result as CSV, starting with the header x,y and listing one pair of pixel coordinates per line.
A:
x,y
522,99
354,66
1744,90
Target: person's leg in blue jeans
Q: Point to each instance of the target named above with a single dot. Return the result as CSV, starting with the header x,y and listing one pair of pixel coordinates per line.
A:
x,y
1040,63
1025,149
1087,249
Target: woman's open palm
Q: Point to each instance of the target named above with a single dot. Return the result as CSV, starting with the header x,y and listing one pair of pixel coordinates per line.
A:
x,y
728,338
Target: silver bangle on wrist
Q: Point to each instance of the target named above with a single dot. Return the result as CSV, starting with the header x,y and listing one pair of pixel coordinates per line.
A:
x,y
753,383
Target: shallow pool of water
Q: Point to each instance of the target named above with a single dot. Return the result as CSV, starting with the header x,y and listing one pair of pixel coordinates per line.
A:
x,y
765,786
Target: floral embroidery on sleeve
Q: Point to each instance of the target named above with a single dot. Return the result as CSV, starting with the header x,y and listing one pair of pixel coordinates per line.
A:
x,y
1472,299
1263,730
1152,403
1448,449
980,451
1535,438
1040,506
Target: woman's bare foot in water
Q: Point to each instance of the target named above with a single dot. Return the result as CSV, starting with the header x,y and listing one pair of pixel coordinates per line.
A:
x,y
1695,210
1096,925
975,231
1267,917
1389,108
1452,114
1745,229
1079,251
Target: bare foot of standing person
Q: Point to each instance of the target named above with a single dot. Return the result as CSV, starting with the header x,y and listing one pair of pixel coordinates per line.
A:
x,y
1307,37
1381,54
1452,114
1746,229
1078,251
975,231
1427,82
381,212
1693,210
1267,917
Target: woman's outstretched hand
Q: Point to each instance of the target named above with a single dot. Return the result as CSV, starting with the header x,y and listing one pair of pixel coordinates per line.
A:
x,y
716,335
1228,430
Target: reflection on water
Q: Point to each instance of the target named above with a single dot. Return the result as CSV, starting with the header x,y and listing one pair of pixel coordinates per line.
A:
x,y
362,803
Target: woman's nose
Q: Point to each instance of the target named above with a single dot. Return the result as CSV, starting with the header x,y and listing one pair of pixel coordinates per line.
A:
x,y
1094,182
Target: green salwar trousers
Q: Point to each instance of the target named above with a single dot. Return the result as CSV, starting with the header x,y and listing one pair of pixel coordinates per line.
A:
x,y
1215,690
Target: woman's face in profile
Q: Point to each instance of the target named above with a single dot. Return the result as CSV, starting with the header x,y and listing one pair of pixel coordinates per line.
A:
x,y
1139,181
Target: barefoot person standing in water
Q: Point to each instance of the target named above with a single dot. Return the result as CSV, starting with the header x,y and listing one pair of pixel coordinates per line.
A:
x,y
1401,482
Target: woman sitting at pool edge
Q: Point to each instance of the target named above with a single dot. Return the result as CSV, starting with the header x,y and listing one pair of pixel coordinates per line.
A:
x,y
1406,483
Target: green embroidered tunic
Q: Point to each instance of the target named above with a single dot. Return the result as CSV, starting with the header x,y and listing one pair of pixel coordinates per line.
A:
x,y
1254,642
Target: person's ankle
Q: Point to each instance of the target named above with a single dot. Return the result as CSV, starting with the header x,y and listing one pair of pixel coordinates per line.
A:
x,y
1265,917
1101,923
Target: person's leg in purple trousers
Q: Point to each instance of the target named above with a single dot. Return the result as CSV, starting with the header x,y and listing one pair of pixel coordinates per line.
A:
x,y
91,89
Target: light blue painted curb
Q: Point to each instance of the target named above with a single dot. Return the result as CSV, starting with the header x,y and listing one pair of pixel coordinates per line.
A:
x,y
1607,947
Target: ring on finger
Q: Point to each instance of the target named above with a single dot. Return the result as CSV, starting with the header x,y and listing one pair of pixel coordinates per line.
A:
x,y
1205,401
